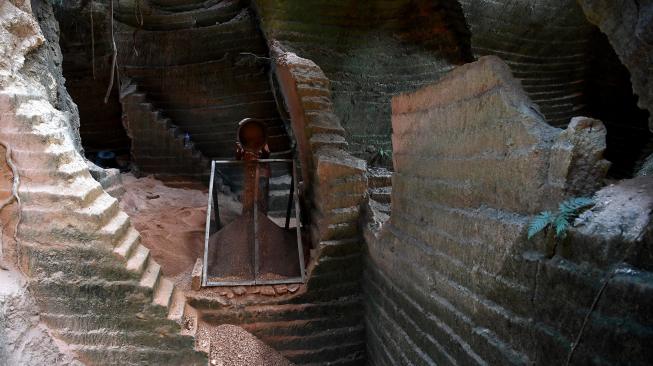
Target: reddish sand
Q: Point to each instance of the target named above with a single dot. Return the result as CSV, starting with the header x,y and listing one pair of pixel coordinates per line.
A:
x,y
171,220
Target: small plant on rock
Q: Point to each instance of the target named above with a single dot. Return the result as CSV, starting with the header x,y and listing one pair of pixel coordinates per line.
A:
x,y
385,153
560,220
381,157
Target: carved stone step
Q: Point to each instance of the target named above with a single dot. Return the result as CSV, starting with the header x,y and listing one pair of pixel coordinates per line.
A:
x,y
138,259
126,246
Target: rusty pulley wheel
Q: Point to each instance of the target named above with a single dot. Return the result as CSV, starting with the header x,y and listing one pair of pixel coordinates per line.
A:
x,y
252,134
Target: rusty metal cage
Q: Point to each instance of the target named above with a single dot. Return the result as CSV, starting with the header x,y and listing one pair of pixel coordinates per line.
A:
x,y
253,246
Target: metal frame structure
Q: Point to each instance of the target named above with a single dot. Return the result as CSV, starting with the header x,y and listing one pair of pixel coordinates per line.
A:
x,y
294,199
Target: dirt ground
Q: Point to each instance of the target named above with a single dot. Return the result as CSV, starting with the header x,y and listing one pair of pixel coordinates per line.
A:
x,y
171,220
234,346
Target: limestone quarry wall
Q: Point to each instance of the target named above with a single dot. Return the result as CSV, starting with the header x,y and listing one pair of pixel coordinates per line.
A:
x,y
46,67
95,285
370,51
85,41
568,67
452,279
373,50
547,45
202,66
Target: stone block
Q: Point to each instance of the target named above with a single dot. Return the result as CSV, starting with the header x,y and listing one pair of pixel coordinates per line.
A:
x,y
577,157
196,275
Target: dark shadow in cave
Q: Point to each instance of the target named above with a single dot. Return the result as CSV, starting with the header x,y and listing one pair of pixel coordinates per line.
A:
x,y
611,99
86,50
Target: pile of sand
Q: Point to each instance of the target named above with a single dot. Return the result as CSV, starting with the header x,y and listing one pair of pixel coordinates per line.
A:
x,y
233,346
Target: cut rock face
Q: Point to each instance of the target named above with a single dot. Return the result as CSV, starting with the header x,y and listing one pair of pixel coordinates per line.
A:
x,y
96,286
370,51
451,278
483,141
25,340
578,156
544,43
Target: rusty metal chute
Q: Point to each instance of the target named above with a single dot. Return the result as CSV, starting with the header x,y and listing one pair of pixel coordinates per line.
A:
x,y
255,247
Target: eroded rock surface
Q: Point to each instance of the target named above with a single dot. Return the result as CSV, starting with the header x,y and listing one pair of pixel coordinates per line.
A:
x,y
370,51
24,339
451,278
618,228
96,286
46,67
578,153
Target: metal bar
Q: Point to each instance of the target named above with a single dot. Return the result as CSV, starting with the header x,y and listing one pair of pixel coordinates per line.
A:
x,y
249,283
290,200
300,247
230,283
259,161
207,231
285,280
256,243
216,206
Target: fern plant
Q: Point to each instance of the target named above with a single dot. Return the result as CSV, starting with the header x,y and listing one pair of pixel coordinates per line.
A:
x,y
385,154
560,220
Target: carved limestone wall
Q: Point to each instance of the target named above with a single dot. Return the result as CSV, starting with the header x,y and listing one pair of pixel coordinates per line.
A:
x,y
452,279
370,51
95,284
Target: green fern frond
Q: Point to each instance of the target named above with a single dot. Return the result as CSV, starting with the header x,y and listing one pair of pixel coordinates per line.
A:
x,y
385,153
561,225
561,221
572,205
540,221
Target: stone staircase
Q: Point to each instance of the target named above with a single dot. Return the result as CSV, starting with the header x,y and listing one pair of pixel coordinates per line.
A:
x,y
109,179
158,146
204,65
97,286
379,183
278,197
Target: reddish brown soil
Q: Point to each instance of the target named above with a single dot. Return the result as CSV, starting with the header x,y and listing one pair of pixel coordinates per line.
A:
x,y
171,220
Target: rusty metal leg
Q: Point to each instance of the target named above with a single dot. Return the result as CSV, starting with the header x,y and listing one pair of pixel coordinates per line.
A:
x,y
256,233
216,207
290,201
298,229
